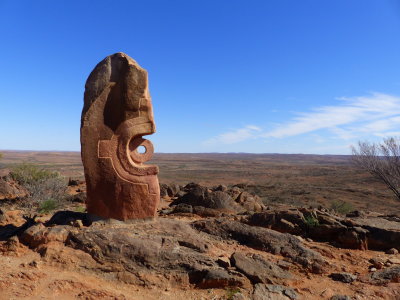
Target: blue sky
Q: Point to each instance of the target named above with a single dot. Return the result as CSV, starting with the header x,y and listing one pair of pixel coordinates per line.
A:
x,y
277,76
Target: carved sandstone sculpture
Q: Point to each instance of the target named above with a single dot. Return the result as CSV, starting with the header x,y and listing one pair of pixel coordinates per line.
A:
x,y
117,113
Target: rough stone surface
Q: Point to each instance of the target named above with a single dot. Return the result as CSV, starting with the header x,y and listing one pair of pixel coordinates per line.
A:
x,y
343,277
391,274
340,297
354,232
117,113
392,251
9,189
166,247
273,292
258,270
265,240
220,197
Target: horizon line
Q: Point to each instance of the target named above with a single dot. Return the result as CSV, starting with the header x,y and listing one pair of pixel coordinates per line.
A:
x,y
253,153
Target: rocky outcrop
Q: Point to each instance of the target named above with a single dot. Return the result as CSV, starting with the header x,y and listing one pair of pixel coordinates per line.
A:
x,y
10,189
387,275
259,270
220,198
265,240
354,232
168,248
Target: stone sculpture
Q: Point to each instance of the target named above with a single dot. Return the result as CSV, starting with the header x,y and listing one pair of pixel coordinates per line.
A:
x,y
117,113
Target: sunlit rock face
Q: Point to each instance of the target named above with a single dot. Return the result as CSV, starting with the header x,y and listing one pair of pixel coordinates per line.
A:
x,y
117,113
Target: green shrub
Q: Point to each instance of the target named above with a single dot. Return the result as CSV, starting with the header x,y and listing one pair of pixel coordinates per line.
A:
x,y
231,292
311,221
80,209
47,206
341,207
27,173
46,188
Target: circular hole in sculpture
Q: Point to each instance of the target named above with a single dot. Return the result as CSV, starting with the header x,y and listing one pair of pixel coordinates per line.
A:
x,y
141,149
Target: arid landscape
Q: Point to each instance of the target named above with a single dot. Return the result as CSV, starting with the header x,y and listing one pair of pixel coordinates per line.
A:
x,y
203,150
265,228
277,178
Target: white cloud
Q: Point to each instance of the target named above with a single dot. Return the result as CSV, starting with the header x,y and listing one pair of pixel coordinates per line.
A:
x,y
239,135
374,114
353,118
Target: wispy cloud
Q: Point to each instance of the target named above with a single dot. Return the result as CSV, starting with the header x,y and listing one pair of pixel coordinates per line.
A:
x,y
376,114
235,136
368,112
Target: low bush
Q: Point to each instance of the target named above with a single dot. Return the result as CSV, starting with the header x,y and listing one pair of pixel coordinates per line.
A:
x,y
81,209
47,206
342,207
46,188
311,221
231,292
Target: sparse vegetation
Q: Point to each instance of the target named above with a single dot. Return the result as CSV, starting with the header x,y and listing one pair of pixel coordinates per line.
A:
x,y
311,221
47,206
46,188
230,293
342,207
382,160
80,209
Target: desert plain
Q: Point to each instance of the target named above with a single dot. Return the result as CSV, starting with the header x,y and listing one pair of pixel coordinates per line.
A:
x,y
326,230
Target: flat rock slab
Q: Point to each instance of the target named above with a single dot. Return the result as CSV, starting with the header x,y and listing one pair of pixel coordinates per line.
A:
x,y
167,248
273,292
264,239
259,270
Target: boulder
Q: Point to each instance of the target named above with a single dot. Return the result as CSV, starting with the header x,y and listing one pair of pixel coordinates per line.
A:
x,y
173,189
387,275
219,198
343,277
10,189
163,190
39,234
78,198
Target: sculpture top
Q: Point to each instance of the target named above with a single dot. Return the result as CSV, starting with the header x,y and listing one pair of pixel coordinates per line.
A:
x,y
130,96
117,113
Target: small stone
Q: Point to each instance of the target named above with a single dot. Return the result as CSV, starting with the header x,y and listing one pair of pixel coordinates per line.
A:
x,y
340,297
392,251
343,277
269,291
34,264
78,224
224,262
372,269
394,261
183,208
377,263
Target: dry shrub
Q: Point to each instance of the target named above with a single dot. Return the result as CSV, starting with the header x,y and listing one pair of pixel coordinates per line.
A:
x,y
381,160
46,188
